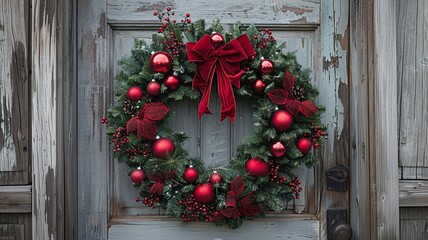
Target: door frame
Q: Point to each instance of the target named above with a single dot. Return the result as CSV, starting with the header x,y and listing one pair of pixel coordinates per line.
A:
x,y
374,148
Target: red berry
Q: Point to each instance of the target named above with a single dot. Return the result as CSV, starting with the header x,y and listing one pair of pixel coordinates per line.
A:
x,y
155,13
168,9
137,199
167,19
189,21
187,14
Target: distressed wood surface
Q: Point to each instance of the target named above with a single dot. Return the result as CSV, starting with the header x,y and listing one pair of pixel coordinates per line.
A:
x,y
280,11
94,172
304,227
15,199
361,45
15,226
333,85
14,92
413,193
383,121
413,223
412,57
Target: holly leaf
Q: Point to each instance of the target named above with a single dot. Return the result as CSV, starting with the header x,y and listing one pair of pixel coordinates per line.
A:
x,y
237,185
288,81
278,96
147,129
308,108
155,111
131,125
293,106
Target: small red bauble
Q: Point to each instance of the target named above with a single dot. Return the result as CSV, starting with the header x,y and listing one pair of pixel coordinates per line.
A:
x,y
215,178
304,145
217,39
137,176
204,193
259,86
190,175
163,147
257,167
153,88
134,93
171,83
160,62
266,66
278,149
282,121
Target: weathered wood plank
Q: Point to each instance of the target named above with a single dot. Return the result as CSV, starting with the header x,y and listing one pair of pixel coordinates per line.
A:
x,y
162,228
15,199
14,92
413,223
94,95
413,193
15,226
412,35
281,11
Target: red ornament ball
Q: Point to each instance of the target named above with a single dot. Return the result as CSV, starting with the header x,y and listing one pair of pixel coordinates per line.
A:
x,y
304,145
217,39
266,66
163,147
134,93
215,178
160,62
171,83
259,86
137,176
153,88
278,149
190,175
204,193
257,167
282,121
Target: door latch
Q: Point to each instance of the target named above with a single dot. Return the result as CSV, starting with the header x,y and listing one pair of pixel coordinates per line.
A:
x,y
337,178
337,225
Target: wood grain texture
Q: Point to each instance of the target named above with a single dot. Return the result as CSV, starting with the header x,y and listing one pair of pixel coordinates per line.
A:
x,y
164,228
14,92
413,193
93,95
412,58
413,223
15,199
281,11
14,226
383,121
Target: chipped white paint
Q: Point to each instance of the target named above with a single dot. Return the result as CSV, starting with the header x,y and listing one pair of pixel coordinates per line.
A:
x,y
44,117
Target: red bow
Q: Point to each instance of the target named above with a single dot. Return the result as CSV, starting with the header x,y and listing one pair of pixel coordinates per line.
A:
x,y
246,205
224,61
160,178
145,121
284,97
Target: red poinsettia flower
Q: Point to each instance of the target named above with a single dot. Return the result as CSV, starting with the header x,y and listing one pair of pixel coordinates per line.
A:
x,y
160,178
236,206
284,97
145,121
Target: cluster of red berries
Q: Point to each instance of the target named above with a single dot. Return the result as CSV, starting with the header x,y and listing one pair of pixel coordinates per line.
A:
x,y
173,45
273,173
317,133
119,138
149,201
104,120
196,211
264,38
295,188
145,151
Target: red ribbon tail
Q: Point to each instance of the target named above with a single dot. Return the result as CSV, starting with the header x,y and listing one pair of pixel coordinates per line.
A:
x,y
225,92
205,100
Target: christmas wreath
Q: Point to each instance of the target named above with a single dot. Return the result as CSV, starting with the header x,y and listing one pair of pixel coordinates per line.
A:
x,y
182,61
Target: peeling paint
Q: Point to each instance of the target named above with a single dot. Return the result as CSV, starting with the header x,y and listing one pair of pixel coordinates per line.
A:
x,y
296,10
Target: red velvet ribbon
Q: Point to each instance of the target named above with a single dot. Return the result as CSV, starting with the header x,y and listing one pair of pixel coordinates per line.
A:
x,y
224,61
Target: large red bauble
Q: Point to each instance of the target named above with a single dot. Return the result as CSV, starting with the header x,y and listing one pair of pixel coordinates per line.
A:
x,y
160,62
204,193
278,149
282,121
163,147
190,175
171,83
153,88
266,66
257,167
215,178
217,39
134,93
304,145
137,176
259,86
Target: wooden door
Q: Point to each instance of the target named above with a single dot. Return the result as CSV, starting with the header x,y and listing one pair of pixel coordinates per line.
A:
x,y
316,30
15,177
